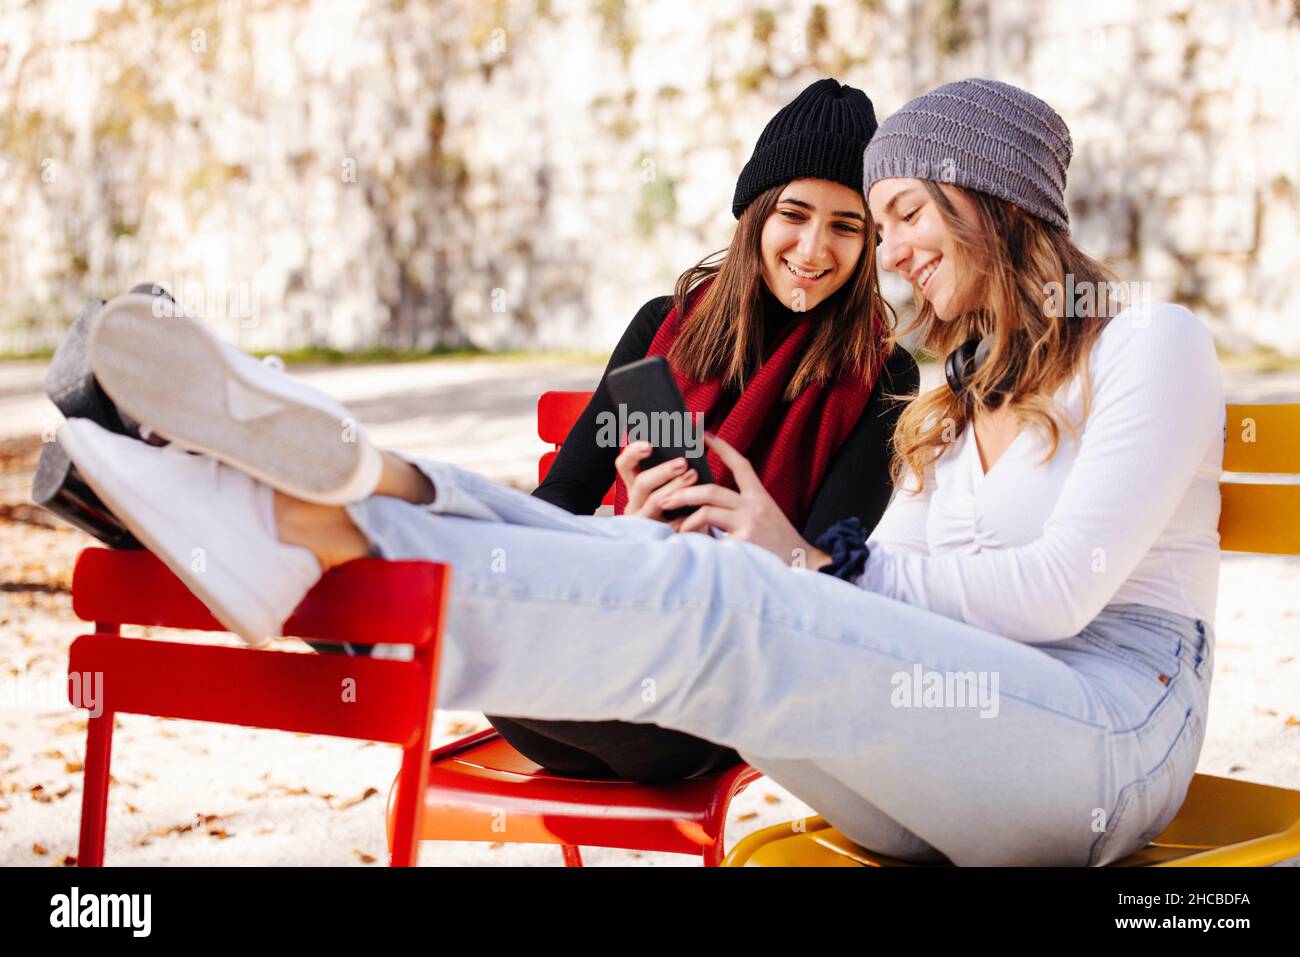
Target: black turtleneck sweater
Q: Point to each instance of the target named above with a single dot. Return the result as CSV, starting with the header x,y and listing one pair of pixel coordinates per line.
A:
x,y
856,483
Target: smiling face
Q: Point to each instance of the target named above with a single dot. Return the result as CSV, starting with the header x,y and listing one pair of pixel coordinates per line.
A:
x,y
812,241
916,241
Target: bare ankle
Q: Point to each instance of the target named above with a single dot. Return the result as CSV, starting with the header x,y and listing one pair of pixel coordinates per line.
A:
x,y
326,531
401,479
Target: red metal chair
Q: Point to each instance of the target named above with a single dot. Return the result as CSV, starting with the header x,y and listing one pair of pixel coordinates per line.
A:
x,y
482,789
367,601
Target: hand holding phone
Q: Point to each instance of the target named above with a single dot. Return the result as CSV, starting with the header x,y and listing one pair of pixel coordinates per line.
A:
x,y
650,409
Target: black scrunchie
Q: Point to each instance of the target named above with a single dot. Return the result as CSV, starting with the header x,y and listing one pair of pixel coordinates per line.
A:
x,y
846,543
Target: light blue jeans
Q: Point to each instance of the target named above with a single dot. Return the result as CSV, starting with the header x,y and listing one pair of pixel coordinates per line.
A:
x,y
916,735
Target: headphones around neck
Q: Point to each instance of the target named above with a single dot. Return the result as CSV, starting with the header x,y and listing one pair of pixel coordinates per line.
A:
x,y
964,361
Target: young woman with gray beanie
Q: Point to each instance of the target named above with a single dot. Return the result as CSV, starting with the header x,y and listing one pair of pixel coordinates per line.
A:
x,y
1014,668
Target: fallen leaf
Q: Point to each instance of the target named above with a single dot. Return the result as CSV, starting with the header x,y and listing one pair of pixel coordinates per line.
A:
x,y
131,808
1285,661
1235,768
39,849
354,801
67,860
1267,711
265,830
73,766
201,822
772,798
363,857
283,790
463,727
1291,721
747,816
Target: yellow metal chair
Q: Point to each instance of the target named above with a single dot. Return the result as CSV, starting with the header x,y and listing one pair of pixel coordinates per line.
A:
x,y
1223,822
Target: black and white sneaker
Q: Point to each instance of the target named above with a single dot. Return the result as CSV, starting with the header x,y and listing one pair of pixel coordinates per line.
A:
x,y
170,373
211,524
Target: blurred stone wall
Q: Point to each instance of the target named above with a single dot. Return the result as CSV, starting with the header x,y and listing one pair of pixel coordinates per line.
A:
x,y
410,174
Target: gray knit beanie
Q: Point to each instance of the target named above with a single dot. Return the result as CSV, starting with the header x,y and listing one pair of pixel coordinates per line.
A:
x,y
981,134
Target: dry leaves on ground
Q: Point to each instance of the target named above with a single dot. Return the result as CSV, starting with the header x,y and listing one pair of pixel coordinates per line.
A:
x,y
354,801
201,822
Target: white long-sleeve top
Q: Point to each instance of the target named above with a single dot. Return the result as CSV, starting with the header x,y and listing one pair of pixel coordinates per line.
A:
x,y
1130,513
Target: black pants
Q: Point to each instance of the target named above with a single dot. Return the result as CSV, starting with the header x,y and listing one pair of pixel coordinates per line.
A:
x,y
645,753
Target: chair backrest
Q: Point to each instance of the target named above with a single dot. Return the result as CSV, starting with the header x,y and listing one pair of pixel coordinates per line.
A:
x,y
368,599
1261,517
556,413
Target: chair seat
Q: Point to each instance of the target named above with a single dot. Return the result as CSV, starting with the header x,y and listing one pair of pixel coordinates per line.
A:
x,y
1223,823
482,789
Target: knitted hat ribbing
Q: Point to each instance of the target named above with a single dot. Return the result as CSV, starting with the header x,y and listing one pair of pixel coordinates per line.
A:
x,y
985,135
818,135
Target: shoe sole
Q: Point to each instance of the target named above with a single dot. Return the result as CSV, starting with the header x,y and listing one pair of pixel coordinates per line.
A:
x,y
173,375
99,473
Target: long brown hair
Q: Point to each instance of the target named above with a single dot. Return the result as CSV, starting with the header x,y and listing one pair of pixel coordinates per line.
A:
x,y
1020,270
723,334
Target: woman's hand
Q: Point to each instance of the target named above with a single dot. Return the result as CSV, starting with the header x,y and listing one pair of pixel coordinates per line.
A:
x,y
647,489
749,514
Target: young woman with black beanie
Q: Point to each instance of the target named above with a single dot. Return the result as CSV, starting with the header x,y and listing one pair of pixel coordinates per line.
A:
x,y
782,352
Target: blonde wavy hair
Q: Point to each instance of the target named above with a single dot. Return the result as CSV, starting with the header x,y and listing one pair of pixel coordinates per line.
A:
x,y
1020,270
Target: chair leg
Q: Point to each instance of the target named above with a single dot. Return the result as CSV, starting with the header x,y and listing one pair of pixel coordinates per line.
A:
x,y
404,831
94,798
572,855
713,853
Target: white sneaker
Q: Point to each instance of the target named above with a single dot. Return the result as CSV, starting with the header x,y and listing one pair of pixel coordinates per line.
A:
x,y
210,524
175,377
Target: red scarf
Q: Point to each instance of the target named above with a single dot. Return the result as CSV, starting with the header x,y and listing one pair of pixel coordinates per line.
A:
x,y
790,444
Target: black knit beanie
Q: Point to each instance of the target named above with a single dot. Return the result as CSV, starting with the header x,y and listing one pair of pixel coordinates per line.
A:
x,y
819,135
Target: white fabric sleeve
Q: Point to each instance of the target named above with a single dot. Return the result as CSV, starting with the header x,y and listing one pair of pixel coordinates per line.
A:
x,y
903,524
1157,406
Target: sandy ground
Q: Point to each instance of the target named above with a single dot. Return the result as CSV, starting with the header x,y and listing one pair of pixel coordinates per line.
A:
x,y
192,793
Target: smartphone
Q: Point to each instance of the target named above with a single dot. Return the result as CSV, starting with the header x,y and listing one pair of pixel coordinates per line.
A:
x,y
650,408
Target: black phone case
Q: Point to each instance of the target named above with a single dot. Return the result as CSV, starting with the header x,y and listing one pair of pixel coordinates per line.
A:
x,y
647,386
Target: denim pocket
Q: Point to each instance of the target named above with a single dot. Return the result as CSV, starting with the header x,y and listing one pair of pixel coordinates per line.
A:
x,y
1153,665
1146,806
